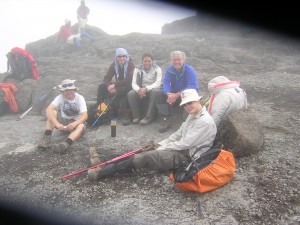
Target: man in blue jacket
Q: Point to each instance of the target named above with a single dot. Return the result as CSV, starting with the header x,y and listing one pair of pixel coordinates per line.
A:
x,y
177,78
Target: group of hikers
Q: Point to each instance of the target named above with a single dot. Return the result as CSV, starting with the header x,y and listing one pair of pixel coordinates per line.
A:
x,y
66,34
134,88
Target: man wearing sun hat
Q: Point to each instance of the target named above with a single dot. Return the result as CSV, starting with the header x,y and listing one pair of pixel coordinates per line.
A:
x,y
195,136
67,113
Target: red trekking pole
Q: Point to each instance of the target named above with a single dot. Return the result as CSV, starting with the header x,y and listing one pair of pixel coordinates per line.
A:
x,y
118,158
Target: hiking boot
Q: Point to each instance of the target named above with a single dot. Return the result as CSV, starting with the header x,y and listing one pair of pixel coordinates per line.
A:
x,y
93,173
94,157
126,120
145,121
136,120
45,143
164,125
62,147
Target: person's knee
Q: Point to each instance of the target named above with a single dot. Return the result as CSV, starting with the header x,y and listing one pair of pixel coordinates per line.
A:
x,y
80,127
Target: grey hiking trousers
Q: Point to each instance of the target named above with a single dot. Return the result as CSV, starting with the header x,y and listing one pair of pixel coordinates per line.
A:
x,y
161,160
136,103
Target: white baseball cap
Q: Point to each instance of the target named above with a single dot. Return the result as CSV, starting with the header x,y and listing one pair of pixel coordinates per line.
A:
x,y
189,95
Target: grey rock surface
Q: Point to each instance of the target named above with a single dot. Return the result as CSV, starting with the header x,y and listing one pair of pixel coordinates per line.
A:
x,y
265,189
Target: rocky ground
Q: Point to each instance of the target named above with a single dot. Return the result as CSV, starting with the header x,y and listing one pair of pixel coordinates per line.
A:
x,y
265,189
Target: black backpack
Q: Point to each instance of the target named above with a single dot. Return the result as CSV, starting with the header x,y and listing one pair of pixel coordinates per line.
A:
x,y
99,114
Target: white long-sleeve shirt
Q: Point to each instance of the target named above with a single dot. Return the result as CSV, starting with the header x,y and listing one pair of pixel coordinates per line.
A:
x,y
197,131
149,79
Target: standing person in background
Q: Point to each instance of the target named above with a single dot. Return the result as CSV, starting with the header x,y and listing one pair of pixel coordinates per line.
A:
x,y
146,82
117,83
65,35
82,13
67,113
178,77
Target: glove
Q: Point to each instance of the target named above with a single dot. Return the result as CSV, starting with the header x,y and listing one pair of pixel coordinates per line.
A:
x,y
150,146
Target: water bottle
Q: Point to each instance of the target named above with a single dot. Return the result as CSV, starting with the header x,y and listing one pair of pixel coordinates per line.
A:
x,y
113,128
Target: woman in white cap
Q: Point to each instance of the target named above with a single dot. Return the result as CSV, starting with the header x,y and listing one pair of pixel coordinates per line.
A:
x,y
117,83
68,113
226,98
195,136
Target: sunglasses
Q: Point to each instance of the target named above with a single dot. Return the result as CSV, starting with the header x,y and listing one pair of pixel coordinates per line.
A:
x,y
67,85
121,56
188,103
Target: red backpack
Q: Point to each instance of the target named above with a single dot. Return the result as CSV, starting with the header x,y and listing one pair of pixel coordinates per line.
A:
x,y
21,64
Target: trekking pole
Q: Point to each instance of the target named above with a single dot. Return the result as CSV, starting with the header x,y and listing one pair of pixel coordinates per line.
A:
x,y
103,112
100,115
118,158
40,99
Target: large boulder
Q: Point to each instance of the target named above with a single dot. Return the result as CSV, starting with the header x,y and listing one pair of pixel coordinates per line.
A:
x,y
242,133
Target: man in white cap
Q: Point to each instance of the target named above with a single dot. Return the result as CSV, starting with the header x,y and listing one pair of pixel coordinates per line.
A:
x,y
194,137
67,113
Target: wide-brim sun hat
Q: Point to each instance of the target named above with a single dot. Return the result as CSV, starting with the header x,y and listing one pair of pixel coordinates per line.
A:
x,y
189,95
67,84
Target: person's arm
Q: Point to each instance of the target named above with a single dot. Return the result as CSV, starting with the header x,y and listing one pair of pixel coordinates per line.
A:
x,y
173,137
83,114
167,83
109,75
191,78
194,137
50,113
128,80
134,84
220,106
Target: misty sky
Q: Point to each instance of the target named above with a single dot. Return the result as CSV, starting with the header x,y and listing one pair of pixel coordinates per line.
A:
x,y
25,21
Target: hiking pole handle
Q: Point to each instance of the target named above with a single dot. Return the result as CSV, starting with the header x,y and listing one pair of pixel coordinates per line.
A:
x,y
126,155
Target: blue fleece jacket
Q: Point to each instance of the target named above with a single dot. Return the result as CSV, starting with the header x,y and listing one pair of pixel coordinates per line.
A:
x,y
177,81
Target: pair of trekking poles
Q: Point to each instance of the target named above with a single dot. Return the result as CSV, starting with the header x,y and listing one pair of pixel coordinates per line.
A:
x,y
41,99
114,160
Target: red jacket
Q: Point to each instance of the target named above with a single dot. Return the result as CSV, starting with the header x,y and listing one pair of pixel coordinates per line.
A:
x,y
65,32
9,90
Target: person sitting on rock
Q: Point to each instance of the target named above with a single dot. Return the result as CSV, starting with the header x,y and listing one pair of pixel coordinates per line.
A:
x,y
146,82
82,13
226,97
193,138
117,83
177,78
67,113
65,35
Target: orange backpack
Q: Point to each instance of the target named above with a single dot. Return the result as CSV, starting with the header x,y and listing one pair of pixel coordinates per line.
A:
x,y
211,170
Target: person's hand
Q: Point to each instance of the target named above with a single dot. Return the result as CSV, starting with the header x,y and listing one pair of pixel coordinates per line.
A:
x,y
150,146
59,126
70,126
142,92
172,97
112,89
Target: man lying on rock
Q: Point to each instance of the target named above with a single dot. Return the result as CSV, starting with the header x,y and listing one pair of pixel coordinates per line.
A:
x,y
194,137
66,113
